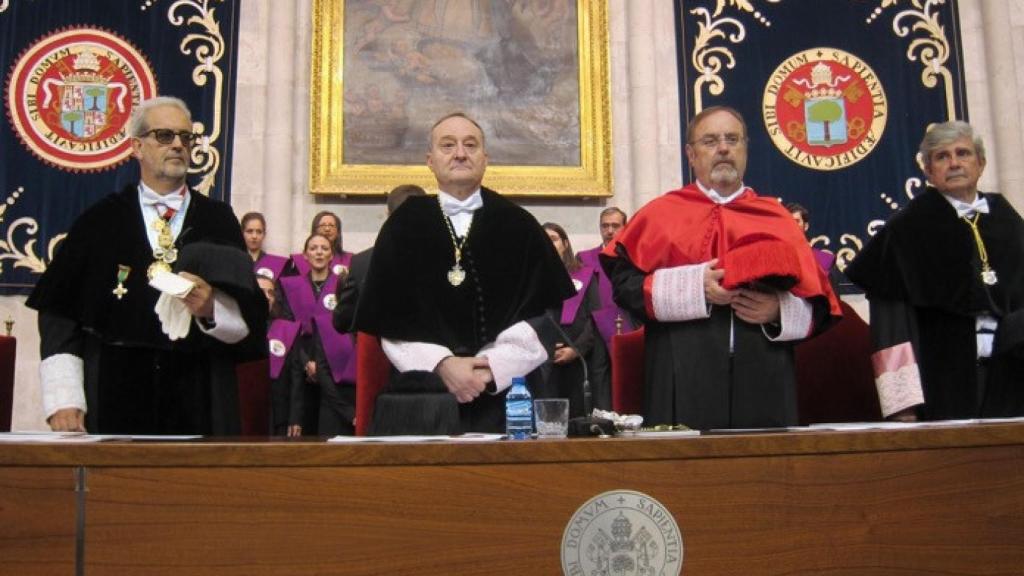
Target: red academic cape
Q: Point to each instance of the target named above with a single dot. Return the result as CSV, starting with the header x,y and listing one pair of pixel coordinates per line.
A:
x,y
714,372
685,227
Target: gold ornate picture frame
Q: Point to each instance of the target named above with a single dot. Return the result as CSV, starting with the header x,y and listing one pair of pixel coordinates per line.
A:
x,y
547,132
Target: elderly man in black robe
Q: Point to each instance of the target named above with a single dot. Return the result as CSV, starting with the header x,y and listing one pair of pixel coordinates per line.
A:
x,y
945,279
109,363
457,290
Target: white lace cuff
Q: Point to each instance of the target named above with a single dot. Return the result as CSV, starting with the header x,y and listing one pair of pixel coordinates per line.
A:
x,y
795,316
61,378
897,378
516,352
677,294
406,356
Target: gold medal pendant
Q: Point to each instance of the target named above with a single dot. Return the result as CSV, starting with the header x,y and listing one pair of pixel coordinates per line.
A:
x,y
456,275
156,268
988,275
165,253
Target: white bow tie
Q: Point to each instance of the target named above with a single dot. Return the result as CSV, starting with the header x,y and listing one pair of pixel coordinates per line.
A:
x,y
980,205
171,201
452,206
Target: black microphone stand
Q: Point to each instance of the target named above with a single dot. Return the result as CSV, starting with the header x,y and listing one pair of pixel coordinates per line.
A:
x,y
588,424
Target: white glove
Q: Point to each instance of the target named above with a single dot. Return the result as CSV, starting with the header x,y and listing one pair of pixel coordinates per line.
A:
x,y
175,317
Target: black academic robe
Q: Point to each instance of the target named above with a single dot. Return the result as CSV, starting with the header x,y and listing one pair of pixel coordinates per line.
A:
x,y
136,379
922,274
512,274
348,291
691,376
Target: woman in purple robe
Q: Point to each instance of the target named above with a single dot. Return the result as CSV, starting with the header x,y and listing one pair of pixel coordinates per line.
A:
x,y
322,386
254,230
566,376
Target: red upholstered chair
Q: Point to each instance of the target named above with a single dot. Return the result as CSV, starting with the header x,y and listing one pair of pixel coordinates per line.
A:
x,y
8,351
627,358
835,381
254,397
372,371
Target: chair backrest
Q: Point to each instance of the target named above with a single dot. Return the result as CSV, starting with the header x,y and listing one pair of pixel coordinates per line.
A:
x,y
835,380
372,371
254,397
8,352
627,359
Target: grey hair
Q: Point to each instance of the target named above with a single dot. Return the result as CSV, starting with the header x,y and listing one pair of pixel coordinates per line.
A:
x,y
945,133
137,126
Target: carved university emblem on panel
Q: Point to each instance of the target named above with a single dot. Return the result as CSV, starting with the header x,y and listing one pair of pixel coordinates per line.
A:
x,y
622,533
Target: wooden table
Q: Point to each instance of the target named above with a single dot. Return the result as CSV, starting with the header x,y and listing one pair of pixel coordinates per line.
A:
x,y
946,500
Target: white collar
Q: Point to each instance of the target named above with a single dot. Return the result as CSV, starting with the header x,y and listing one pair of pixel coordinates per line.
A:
x,y
717,197
451,205
980,205
173,200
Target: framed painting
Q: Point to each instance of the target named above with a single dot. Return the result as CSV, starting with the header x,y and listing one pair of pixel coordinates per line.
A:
x,y
533,73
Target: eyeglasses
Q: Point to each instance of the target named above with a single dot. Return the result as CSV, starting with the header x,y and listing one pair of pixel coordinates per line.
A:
x,y
713,140
165,136
326,225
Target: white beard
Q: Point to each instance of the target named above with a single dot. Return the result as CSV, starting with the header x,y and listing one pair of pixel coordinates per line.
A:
x,y
724,174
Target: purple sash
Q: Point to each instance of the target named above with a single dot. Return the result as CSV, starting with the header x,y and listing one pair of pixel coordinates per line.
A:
x,y
280,338
310,312
605,317
589,257
302,265
572,305
269,266
305,307
825,259
338,348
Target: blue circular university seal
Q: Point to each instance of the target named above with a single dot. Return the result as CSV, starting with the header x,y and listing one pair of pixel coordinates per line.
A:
x,y
622,532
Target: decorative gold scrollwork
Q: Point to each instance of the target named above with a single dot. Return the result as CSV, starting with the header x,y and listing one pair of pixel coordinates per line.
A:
x,y
207,45
932,49
708,60
851,246
25,256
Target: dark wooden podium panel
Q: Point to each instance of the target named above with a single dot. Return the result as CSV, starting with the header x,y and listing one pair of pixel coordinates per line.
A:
x,y
37,520
929,501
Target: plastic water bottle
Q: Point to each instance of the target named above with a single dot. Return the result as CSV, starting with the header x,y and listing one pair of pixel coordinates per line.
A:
x,y
518,411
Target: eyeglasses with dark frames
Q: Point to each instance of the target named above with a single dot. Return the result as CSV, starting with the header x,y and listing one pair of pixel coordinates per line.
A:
x,y
165,136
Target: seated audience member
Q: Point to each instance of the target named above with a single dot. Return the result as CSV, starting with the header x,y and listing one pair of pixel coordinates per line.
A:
x,y
565,373
348,288
254,230
945,281
322,377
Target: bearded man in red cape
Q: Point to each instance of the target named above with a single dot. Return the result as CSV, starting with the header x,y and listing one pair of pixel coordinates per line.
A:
x,y
726,284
